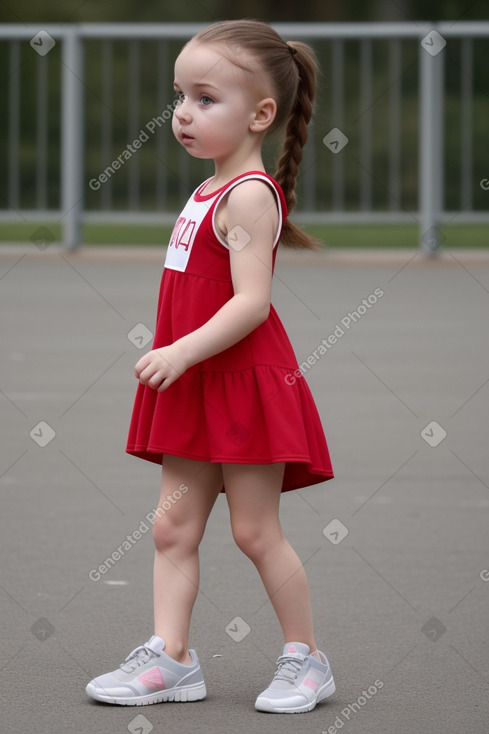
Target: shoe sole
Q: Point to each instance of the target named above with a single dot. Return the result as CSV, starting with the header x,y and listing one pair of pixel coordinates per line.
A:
x,y
184,694
268,706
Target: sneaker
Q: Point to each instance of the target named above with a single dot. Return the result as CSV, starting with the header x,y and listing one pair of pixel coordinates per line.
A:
x,y
149,675
300,682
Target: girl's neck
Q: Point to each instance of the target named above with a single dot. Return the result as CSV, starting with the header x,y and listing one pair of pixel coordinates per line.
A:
x,y
225,171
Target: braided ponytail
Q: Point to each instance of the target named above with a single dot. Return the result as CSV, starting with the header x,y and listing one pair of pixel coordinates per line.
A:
x,y
295,139
291,69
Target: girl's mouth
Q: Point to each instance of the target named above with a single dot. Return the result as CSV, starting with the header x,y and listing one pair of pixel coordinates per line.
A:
x,y
186,138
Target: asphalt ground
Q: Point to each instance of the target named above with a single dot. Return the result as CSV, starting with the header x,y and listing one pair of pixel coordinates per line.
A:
x,y
395,547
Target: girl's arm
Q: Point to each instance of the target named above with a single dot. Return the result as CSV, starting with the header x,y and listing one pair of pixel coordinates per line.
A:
x,y
250,211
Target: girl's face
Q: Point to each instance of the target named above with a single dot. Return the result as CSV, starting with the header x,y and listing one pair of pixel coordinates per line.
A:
x,y
216,108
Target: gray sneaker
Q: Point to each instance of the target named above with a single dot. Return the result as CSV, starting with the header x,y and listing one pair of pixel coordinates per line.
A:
x,y
149,675
300,682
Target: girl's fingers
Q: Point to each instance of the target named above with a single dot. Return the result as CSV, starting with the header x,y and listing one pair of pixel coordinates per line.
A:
x,y
155,381
145,369
151,372
166,382
140,366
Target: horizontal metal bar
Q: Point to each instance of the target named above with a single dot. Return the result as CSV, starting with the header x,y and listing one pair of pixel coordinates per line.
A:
x,y
33,216
309,30
129,218
389,217
101,30
467,217
29,216
327,31
299,217
462,28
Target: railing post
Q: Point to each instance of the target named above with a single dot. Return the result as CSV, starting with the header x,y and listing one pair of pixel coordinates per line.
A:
x,y
431,141
72,139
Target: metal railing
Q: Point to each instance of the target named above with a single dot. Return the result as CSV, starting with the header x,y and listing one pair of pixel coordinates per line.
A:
x,y
355,169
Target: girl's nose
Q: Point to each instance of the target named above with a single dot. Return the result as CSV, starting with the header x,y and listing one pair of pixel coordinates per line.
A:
x,y
182,111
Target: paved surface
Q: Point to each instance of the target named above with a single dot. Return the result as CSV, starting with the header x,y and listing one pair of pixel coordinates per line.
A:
x,y
400,600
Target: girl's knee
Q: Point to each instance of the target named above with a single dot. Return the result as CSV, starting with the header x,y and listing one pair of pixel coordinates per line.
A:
x,y
168,533
255,540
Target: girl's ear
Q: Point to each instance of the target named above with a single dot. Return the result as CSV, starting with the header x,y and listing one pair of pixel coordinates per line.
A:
x,y
264,115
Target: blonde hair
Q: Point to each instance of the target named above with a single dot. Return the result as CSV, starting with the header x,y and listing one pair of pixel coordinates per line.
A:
x,y
292,70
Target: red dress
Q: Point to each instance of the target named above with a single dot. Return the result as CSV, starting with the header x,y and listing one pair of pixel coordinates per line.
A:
x,y
242,406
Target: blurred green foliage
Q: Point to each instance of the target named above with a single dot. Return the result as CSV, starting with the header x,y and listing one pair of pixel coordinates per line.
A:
x,y
206,11
115,113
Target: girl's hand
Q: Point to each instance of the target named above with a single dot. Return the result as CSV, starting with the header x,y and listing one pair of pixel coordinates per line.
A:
x,y
160,367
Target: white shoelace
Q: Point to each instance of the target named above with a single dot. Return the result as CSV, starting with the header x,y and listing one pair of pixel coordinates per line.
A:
x,y
139,656
288,668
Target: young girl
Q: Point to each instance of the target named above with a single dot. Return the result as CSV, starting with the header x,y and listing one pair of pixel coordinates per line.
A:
x,y
216,405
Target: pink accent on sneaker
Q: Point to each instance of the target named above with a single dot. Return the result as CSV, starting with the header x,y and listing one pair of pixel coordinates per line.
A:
x,y
292,648
152,679
311,684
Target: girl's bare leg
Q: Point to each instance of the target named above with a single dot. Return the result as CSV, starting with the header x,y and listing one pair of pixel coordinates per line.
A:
x,y
189,490
253,494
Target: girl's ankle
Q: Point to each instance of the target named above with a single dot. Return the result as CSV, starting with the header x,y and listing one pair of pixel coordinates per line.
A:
x,y
179,654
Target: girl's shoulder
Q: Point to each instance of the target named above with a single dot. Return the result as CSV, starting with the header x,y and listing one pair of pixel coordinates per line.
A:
x,y
254,200
249,189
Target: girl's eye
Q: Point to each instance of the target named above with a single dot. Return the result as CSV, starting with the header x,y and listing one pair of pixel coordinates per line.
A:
x,y
179,98
206,101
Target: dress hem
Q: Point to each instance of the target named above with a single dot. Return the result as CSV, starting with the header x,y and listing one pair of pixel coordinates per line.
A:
x,y
222,460
312,475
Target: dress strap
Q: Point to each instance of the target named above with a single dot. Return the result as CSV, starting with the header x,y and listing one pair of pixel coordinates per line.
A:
x,y
252,176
